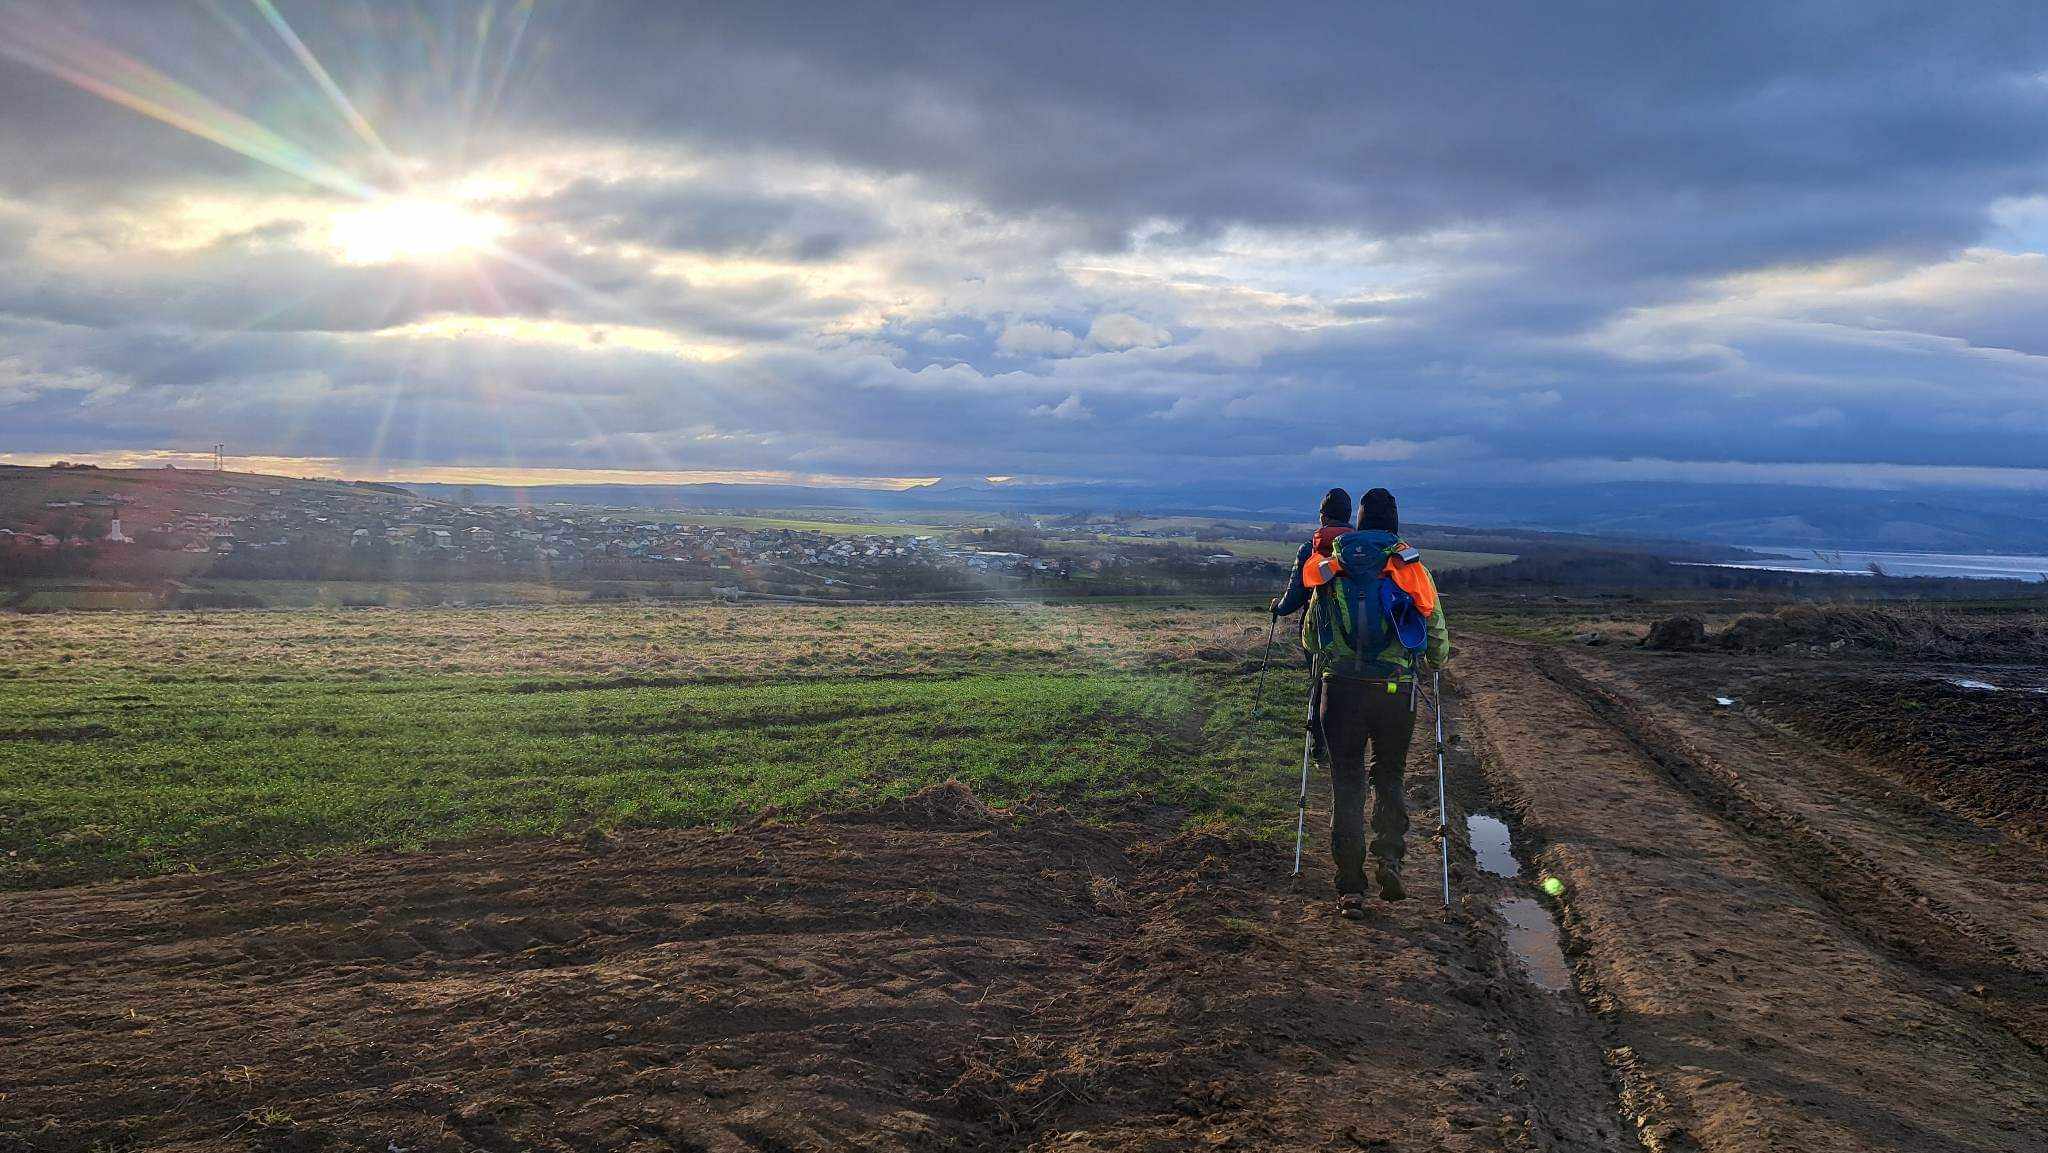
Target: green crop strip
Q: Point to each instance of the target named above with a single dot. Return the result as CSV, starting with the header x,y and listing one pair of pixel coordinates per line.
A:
x,y
116,776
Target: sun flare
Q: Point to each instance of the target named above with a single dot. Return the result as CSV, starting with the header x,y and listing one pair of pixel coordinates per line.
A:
x,y
399,228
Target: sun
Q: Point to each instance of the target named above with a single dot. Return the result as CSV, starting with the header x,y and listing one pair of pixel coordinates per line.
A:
x,y
398,229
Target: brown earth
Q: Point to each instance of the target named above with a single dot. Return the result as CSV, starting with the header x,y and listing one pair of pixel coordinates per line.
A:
x,y
1922,632
1787,946
930,977
1983,752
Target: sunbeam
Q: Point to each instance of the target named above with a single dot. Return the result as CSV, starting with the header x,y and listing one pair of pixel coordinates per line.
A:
x,y
397,219
121,79
342,104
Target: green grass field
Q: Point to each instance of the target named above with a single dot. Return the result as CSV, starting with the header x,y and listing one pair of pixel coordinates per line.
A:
x,y
145,742
1437,559
85,596
1440,560
827,527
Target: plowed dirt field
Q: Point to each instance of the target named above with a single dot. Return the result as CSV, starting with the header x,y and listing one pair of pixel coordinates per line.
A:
x,y
929,977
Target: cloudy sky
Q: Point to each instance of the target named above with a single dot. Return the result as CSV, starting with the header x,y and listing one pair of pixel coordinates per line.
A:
x,y
1773,241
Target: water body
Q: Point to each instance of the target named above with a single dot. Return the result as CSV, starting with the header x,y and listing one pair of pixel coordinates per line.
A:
x,y
1853,562
1532,935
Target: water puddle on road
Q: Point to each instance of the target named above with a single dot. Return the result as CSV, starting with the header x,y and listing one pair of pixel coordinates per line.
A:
x,y
1489,836
2022,680
1532,938
1532,935
1973,684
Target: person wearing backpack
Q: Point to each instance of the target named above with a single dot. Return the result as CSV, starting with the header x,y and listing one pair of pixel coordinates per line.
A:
x,y
1372,616
1336,521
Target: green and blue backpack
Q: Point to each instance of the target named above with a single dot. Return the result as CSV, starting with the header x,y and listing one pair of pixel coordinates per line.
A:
x,y
1359,617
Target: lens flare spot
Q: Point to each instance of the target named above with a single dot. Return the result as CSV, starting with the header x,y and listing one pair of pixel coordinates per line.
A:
x,y
396,229
1553,886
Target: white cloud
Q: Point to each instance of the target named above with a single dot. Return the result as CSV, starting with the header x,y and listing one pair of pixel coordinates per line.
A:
x,y
1031,338
21,382
1182,408
2019,224
1394,448
1068,409
1118,331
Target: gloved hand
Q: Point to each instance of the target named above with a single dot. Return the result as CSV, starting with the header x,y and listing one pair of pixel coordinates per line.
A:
x,y
1273,606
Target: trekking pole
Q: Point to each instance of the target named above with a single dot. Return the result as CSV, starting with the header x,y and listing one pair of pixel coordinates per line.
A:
x,y
1301,807
1308,744
1272,630
1443,816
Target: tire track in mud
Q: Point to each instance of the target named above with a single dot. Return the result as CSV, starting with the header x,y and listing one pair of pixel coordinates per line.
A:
x,y
1557,1031
1569,1031
1740,1011
1989,972
1655,1122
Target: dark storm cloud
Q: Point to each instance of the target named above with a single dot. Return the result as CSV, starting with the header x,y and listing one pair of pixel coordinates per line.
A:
x,y
721,221
1385,117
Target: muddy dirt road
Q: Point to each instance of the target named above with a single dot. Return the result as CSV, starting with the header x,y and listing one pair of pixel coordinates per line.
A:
x,y
1787,947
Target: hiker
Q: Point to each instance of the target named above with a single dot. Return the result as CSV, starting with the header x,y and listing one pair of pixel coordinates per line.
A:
x,y
1372,611
1336,521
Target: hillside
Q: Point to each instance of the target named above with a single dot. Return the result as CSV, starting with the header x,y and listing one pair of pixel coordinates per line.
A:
x,y
84,501
163,532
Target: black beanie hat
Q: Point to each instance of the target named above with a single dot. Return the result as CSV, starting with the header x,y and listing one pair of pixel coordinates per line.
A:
x,y
1376,509
1336,506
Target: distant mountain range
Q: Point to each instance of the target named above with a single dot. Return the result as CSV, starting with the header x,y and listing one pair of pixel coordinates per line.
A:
x,y
1947,520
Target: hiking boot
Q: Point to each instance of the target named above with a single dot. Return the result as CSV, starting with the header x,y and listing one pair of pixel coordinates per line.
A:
x,y
1390,883
1351,905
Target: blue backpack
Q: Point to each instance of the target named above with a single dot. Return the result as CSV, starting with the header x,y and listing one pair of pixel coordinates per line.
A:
x,y
1354,618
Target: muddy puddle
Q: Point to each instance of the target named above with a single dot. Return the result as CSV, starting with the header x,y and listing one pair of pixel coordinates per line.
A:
x,y
1987,678
1491,844
1531,933
1532,937
1980,685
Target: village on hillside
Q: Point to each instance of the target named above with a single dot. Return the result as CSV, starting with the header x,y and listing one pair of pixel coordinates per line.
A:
x,y
136,524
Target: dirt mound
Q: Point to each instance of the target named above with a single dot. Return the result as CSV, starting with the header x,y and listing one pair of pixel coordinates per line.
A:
x,y
1986,753
943,984
950,804
1925,633
1674,634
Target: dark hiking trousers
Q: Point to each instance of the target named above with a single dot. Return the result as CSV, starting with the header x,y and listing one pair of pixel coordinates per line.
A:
x,y
1357,713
